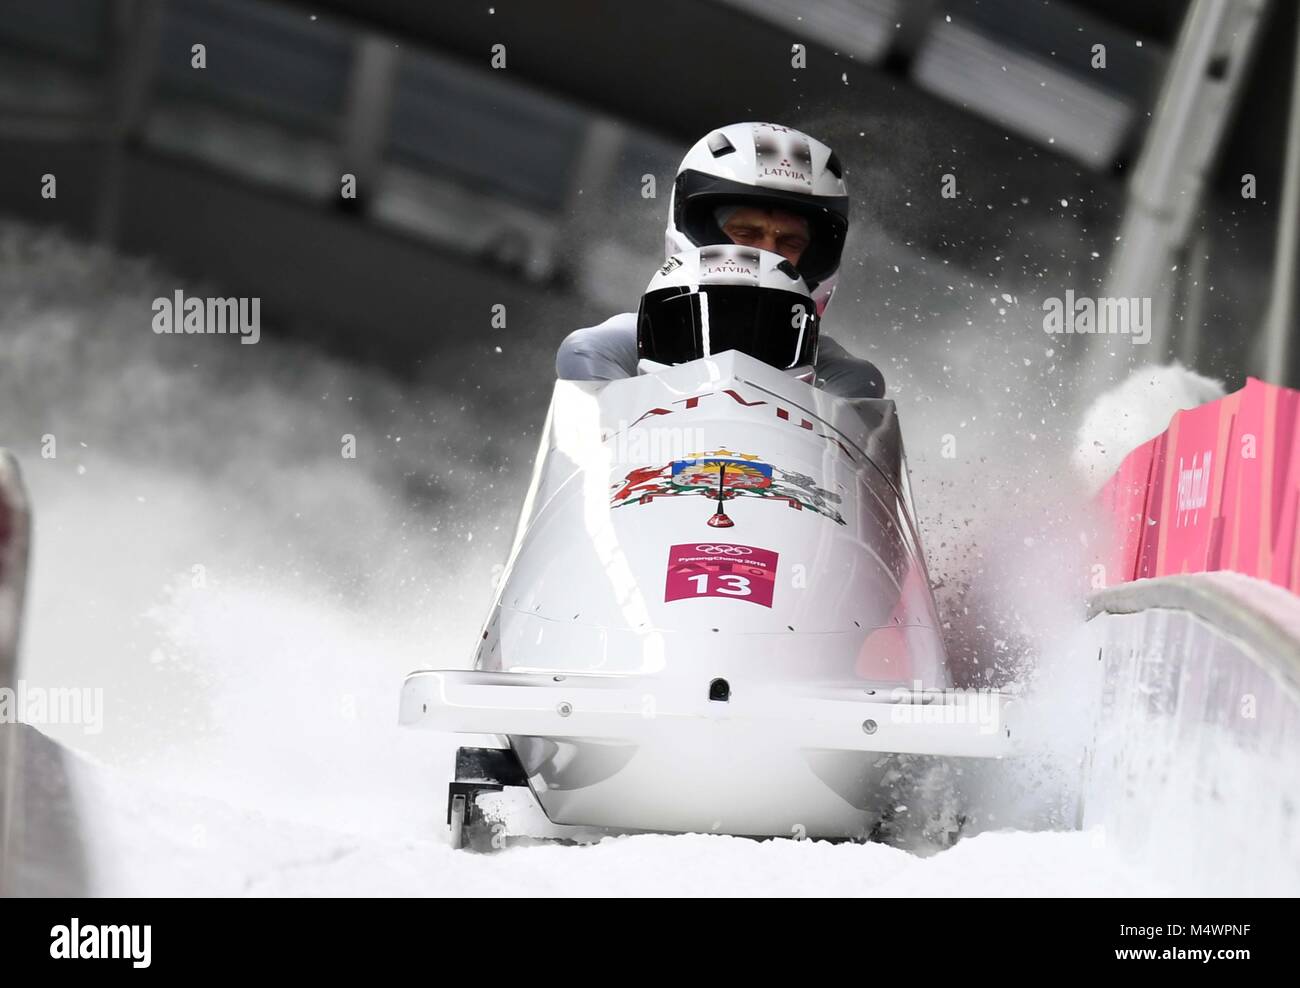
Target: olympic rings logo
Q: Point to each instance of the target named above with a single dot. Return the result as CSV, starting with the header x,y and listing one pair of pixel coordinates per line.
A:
x,y
724,550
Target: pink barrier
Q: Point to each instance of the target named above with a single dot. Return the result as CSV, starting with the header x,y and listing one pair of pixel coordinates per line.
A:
x,y
1218,490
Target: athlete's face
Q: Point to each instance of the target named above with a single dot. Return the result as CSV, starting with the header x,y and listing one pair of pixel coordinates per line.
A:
x,y
783,233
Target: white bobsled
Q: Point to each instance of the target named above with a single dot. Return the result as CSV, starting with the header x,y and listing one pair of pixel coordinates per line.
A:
x,y
715,617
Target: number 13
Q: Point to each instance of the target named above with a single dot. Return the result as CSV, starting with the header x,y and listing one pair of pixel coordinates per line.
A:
x,y
736,586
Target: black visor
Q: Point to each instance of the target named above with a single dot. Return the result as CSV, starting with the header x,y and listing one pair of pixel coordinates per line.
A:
x,y
677,325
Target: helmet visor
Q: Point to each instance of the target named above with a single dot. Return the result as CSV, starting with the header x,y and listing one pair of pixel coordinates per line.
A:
x,y
677,325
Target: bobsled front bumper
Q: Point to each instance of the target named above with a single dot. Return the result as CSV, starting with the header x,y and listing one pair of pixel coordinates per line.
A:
x,y
641,709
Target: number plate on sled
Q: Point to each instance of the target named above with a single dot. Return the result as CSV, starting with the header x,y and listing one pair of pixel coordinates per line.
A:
x,y
721,569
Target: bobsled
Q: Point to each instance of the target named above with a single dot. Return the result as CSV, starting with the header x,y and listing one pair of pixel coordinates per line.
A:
x,y
715,617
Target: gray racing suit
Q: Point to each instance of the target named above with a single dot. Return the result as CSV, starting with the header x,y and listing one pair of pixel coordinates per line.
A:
x,y
608,352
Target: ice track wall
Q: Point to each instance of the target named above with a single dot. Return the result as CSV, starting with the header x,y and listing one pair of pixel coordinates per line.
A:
x,y
1195,767
41,850
14,530
13,563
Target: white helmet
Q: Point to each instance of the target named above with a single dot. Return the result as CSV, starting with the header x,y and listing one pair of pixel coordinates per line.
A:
x,y
708,300
770,166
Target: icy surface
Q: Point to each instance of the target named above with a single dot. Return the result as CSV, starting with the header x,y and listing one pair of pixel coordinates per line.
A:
x,y
147,840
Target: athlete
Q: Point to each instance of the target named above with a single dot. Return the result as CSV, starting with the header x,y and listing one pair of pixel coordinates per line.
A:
x,y
756,185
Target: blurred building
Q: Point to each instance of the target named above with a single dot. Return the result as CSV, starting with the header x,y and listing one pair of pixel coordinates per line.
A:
x,y
526,184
